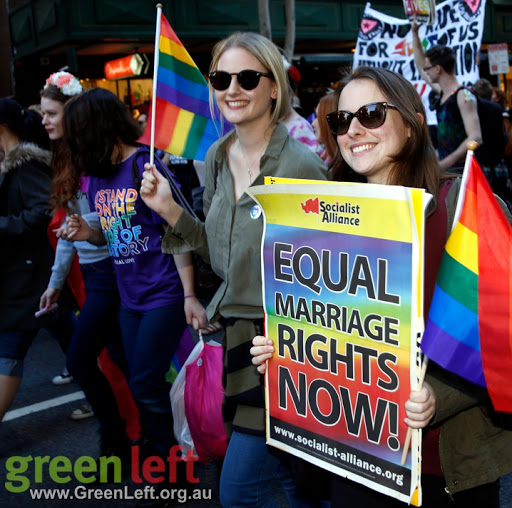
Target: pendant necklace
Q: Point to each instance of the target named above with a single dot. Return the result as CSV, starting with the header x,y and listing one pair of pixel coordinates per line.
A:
x,y
249,169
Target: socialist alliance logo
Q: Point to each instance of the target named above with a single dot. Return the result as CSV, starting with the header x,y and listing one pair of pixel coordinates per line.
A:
x,y
342,213
311,206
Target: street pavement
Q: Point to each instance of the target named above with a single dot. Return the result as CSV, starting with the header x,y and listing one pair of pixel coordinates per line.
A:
x,y
48,431
38,425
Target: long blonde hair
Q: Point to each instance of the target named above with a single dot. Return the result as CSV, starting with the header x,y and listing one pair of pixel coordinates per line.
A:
x,y
268,55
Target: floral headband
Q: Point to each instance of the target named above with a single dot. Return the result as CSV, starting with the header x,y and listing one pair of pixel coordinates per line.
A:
x,y
291,70
65,82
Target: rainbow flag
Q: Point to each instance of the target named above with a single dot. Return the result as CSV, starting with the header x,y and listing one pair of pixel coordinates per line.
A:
x,y
183,124
469,326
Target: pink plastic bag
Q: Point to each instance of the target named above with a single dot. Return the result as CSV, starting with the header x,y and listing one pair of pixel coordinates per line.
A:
x,y
204,395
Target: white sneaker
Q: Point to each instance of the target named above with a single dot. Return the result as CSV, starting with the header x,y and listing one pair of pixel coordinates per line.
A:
x,y
63,378
82,412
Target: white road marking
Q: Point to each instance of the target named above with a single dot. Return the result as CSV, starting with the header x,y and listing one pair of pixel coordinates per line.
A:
x,y
41,406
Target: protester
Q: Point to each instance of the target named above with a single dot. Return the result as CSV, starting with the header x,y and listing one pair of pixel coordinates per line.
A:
x,y
156,289
143,120
499,97
457,113
483,88
298,127
248,80
381,113
26,256
507,125
498,172
326,143
52,120
97,325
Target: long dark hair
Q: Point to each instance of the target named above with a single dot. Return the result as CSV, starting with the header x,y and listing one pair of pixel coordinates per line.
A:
x,y
65,181
96,123
416,164
25,124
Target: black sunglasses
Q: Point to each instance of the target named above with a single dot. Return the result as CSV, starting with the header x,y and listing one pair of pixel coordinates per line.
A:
x,y
247,79
370,116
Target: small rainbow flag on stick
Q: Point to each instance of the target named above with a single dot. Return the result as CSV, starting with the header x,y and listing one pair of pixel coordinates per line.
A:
x,y
469,326
179,116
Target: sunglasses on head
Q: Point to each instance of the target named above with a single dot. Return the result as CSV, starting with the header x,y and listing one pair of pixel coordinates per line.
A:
x,y
247,79
370,116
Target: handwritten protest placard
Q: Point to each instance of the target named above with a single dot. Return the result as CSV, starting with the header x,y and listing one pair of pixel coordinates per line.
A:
x,y
386,41
342,268
423,10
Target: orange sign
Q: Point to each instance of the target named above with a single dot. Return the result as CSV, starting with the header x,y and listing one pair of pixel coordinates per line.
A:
x,y
128,66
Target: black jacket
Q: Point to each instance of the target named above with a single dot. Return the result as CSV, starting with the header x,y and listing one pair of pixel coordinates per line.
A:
x,y
25,252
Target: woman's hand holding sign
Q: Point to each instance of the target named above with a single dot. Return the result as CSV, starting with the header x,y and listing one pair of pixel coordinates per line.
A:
x,y
261,351
419,409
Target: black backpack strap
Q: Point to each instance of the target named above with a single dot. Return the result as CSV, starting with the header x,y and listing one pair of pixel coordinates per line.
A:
x,y
177,194
135,172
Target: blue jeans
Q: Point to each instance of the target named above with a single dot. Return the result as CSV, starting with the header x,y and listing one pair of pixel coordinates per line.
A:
x,y
150,340
63,322
247,474
13,349
97,327
62,329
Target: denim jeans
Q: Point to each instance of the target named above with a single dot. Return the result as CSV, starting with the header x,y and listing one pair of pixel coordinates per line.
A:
x,y
97,327
150,340
247,474
13,349
62,329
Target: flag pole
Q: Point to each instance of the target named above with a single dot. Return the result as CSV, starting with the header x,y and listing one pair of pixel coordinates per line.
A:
x,y
471,146
156,62
408,437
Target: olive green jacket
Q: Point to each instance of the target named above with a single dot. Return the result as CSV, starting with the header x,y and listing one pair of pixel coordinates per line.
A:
x,y
475,442
231,236
231,240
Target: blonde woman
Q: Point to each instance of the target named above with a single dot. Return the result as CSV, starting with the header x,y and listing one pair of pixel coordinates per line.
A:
x,y
248,80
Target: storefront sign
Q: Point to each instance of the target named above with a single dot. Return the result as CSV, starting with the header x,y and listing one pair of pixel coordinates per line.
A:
x,y
126,67
498,58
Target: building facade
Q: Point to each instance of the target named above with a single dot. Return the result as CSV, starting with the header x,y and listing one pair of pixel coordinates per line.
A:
x,y
83,35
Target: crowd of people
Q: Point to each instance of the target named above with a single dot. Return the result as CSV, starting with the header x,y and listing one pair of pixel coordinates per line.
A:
x,y
120,281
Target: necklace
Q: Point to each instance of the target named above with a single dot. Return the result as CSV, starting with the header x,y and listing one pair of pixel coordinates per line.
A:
x,y
249,165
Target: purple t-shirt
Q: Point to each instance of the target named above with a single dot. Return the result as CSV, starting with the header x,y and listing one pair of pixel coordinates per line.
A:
x,y
147,278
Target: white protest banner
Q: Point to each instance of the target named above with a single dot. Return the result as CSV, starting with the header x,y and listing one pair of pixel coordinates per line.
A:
x,y
385,41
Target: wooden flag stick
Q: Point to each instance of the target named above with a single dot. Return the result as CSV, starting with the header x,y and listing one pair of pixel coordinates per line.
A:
x,y
410,429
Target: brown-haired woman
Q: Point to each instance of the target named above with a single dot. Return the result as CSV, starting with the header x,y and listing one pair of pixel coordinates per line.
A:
x,y
97,326
383,139
326,142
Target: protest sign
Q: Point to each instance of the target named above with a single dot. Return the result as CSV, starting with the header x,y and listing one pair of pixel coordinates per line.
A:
x,y
423,10
498,58
386,41
342,290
